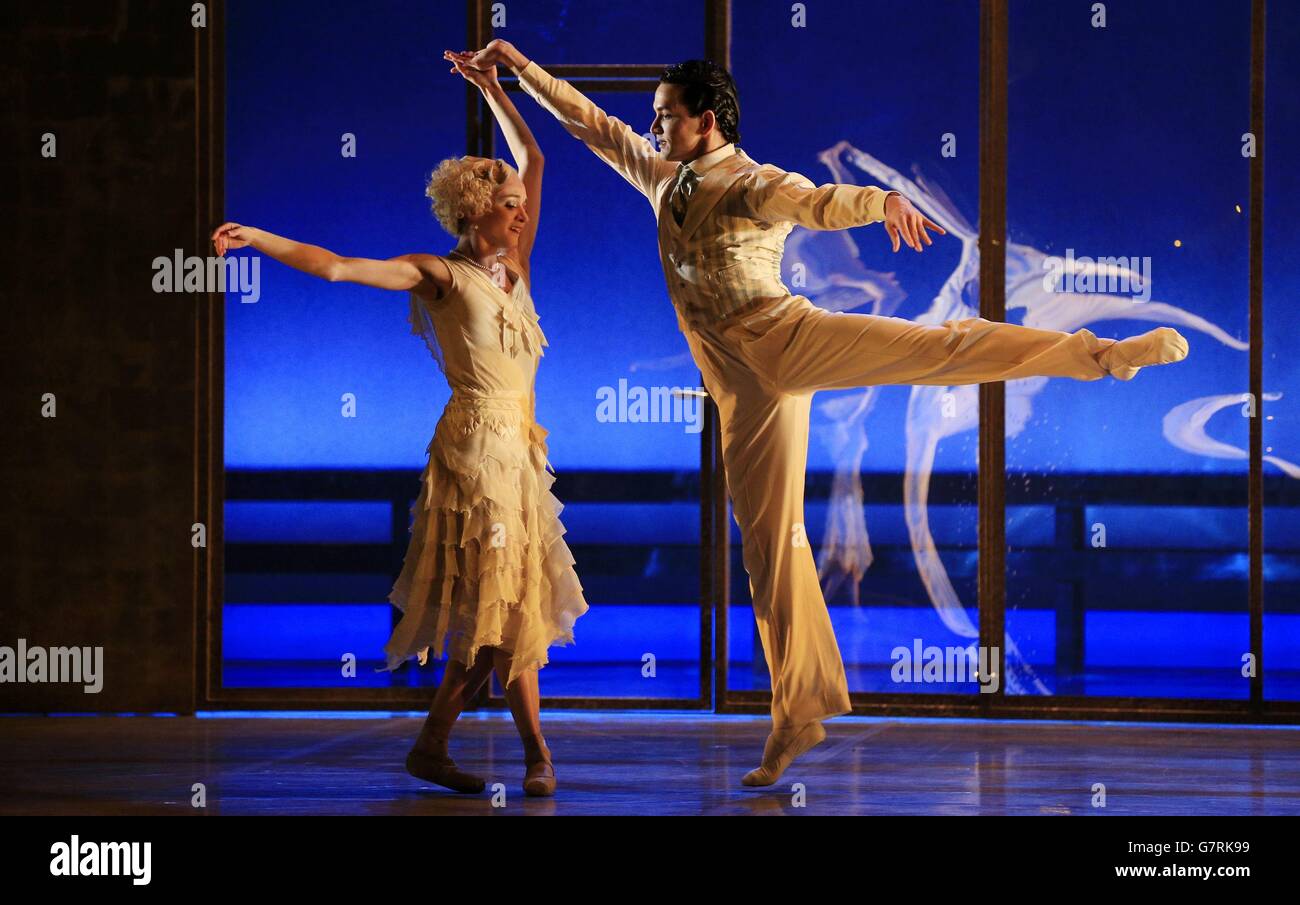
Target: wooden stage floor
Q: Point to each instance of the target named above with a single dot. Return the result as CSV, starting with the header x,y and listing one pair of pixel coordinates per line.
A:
x,y
640,763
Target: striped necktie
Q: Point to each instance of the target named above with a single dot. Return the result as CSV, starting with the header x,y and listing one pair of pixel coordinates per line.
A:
x,y
687,179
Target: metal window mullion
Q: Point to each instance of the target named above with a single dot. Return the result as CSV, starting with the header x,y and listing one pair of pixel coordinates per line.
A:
x,y
993,306
1256,255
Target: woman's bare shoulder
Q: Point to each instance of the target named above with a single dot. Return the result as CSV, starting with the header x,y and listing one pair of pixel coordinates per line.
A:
x,y
438,279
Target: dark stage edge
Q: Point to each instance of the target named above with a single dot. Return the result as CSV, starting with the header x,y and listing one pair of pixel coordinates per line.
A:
x,y
644,764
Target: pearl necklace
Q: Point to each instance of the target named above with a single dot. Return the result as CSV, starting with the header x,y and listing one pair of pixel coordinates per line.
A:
x,y
491,272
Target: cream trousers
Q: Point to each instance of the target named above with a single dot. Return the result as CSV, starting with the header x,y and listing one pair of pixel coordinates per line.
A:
x,y
762,372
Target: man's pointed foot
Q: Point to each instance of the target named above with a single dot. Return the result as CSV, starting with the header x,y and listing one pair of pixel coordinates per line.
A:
x,y
1163,345
782,747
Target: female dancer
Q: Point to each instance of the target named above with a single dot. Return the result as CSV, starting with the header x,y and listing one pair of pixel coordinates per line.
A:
x,y
486,565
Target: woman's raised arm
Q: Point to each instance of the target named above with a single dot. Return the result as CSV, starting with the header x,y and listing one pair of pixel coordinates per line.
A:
x,y
523,146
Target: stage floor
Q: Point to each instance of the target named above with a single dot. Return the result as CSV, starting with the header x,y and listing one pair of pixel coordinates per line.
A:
x,y
643,763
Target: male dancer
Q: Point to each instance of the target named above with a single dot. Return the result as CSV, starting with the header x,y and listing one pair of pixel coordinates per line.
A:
x,y
763,352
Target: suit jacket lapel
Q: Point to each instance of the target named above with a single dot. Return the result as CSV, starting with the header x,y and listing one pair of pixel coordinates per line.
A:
x,y
710,190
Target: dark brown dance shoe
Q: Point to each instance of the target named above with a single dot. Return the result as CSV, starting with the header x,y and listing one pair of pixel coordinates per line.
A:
x,y
441,771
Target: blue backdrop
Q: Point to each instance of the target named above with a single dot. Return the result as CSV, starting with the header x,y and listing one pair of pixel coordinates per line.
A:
x,y
1122,141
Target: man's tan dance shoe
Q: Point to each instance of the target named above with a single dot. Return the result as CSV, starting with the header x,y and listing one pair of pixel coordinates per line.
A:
x,y
1160,346
780,751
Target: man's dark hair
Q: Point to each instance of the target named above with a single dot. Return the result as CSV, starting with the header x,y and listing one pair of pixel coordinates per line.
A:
x,y
708,86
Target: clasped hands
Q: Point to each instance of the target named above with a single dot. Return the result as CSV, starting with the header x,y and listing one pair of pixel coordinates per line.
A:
x,y
486,60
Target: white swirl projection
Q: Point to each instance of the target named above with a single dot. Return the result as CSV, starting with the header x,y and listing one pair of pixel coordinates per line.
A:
x,y
1184,427
845,553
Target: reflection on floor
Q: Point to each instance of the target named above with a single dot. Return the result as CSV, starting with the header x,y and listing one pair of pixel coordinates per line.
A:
x,y
639,763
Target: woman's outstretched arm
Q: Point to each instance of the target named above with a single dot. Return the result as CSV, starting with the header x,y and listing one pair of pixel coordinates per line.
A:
x,y
401,272
523,146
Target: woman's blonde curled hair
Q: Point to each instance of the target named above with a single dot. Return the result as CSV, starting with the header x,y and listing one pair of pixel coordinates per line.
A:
x,y
463,187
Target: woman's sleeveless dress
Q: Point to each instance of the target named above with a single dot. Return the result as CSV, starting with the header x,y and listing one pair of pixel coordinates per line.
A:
x,y
487,564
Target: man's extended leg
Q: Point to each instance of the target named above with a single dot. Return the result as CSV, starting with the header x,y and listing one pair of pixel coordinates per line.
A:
x,y
816,349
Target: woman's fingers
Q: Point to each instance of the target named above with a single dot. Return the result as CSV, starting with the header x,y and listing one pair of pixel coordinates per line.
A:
x,y
462,62
219,237
457,57
225,235
893,234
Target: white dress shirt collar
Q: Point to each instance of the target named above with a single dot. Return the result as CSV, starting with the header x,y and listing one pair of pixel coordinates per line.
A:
x,y
706,162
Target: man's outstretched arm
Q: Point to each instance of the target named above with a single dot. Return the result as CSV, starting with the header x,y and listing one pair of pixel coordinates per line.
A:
x,y
773,194
609,138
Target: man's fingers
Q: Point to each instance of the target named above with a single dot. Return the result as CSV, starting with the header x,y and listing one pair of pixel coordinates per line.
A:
x,y
910,232
893,234
936,227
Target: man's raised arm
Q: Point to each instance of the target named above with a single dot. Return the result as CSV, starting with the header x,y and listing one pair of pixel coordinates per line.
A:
x,y
609,138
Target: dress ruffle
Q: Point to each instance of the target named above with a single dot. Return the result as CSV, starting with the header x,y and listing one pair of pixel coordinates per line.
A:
x,y
521,329
487,564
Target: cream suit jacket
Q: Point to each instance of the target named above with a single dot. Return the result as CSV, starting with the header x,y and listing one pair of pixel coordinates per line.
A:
x,y
725,259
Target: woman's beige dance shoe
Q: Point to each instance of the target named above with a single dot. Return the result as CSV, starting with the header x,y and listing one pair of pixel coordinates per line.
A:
x,y
782,747
1160,346
540,778
441,770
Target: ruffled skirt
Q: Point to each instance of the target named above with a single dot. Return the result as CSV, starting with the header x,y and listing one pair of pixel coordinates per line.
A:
x,y
487,564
